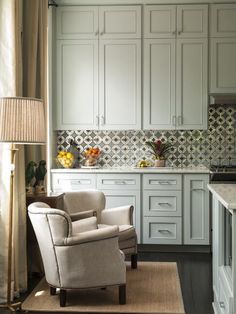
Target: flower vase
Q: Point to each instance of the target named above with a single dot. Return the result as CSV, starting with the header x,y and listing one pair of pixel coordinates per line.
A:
x,y
159,163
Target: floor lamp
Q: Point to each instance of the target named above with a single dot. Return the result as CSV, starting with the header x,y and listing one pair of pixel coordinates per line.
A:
x,y
22,121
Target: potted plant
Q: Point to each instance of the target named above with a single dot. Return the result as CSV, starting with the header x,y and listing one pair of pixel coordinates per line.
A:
x,y
159,150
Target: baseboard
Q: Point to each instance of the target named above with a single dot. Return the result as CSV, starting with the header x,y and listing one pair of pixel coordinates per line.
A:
x,y
174,248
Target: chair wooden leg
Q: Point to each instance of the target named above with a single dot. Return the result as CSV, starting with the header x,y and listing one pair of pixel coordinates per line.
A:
x,y
134,261
53,291
122,294
62,298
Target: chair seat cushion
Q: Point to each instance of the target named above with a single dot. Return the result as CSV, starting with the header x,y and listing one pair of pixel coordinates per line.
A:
x,y
83,225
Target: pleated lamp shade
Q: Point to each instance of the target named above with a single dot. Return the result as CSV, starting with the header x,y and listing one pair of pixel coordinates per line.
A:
x,y
22,120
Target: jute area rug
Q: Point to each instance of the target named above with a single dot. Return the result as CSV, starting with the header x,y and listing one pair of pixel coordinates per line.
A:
x,y
152,288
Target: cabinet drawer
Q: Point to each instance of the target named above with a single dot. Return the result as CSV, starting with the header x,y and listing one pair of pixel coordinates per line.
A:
x,y
118,181
158,203
73,182
162,182
162,230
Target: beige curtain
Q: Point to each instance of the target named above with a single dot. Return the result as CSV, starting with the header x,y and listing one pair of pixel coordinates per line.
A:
x,y
23,73
11,85
35,60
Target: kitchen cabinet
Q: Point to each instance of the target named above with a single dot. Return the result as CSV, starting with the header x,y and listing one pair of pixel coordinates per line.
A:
x,y
120,190
171,21
196,209
93,22
175,83
170,208
162,209
175,67
98,68
120,84
77,85
223,48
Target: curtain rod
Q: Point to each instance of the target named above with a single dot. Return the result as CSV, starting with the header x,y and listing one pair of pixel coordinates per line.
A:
x,y
52,3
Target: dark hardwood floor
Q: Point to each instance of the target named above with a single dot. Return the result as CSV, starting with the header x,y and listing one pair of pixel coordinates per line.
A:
x,y
195,274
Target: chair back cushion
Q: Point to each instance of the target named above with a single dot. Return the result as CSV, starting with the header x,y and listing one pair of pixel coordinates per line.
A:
x,y
85,200
51,227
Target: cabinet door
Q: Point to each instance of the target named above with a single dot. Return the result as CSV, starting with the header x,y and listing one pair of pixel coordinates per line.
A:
x,y
77,85
116,198
159,84
120,22
223,65
223,20
192,21
159,21
191,78
120,84
196,209
77,22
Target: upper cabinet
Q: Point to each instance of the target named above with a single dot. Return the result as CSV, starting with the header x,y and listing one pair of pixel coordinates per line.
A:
x,y
175,67
171,21
98,71
223,48
91,22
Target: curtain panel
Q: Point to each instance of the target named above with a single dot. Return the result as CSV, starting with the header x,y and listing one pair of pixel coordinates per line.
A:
x,y
23,64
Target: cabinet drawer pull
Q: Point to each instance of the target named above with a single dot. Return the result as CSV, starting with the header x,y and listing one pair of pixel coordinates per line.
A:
x,y
198,189
97,120
180,120
222,304
102,120
164,182
76,182
174,120
164,203
164,231
120,182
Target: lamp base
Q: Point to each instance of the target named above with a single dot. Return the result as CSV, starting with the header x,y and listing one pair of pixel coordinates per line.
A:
x,y
11,306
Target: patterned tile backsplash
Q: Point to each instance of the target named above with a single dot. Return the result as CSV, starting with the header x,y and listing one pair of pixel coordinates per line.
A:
x,y
190,147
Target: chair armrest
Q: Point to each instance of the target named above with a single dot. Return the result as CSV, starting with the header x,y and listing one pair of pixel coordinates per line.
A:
x,y
91,236
122,215
82,215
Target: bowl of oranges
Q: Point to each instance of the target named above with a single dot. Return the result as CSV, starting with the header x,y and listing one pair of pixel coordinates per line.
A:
x,y
91,155
65,159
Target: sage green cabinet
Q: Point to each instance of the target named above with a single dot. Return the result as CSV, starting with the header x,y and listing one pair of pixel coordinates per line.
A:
x,y
196,209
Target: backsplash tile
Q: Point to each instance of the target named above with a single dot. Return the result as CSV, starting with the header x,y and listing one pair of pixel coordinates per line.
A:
x,y
190,147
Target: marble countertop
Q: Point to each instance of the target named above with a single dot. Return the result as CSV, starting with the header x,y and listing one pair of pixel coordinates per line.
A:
x,y
225,193
134,170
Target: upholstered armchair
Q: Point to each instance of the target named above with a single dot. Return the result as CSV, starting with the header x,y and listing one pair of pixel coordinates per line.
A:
x,y
87,202
77,260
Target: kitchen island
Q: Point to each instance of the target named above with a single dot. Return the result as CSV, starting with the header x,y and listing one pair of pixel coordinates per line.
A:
x,y
224,247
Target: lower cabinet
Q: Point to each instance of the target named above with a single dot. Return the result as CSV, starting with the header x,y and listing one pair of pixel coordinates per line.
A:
x,y
168,208
196,209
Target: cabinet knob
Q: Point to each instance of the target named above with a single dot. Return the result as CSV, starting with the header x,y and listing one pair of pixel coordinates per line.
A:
x,y
96,33
174,33
102,33
179,32
222,304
